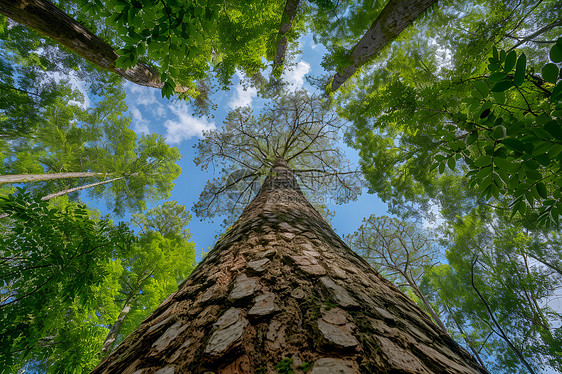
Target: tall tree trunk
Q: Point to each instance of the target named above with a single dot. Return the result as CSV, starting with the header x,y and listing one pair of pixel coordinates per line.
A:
x,y
281,289
45,18
21,178
287,18
394,18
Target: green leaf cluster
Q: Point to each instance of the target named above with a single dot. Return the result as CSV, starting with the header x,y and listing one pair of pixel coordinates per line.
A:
x,y
510,137
53,262
69,278
516,273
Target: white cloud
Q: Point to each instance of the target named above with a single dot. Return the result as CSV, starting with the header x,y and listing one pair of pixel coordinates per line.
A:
x,y
295,75
140,125
186,126
242,97
143,95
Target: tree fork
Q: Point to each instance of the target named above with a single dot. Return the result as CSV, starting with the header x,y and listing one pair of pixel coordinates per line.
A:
x,y
282,286
45,18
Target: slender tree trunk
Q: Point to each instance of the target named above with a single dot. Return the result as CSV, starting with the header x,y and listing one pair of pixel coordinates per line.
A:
x,y
425,302
552,266
39,177
116,327
45,18
468,342
286,23
70,190
21,178
502,333
540,31
281,289
394,18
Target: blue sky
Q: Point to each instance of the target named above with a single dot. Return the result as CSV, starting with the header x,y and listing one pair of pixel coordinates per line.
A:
x,y
175,121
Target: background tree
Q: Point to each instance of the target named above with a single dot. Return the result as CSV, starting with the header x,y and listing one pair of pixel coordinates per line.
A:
x,y
52,260
400,251
60,328
392,20
403,113
297,128
45,18
493,291
162,258
180,41
98,141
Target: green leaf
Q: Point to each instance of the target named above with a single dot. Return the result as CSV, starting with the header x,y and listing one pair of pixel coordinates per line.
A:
x,y
167,90
541,188
555,150
514,144
530,198
504,164
556,53
515,208
477,94
451,163
483,161
502,55
510,60
543,159
486,182
550,73
541,133
533,175
554,128
472,137
556,93
499,96
482,173
541,148
520,70
482,87
122,62
499,132
497,76
502,86
460,144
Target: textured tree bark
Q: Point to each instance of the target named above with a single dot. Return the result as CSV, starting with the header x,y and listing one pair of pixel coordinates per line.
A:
x,y
394,18
45,18
282,289
286,23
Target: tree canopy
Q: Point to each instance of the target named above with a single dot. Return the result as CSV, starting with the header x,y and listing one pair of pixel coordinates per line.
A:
x,y
297,128
75,285
455,109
